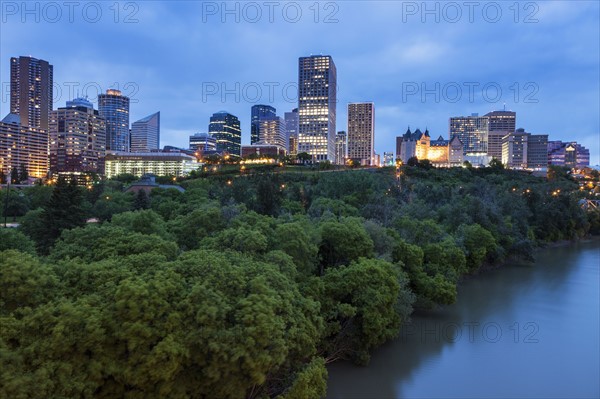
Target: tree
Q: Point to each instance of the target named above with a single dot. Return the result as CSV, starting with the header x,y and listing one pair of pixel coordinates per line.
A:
x,y
23,173
294,240
14,176
343,242
412,161
143,221
141,200
62,212
304,157
14,239
496,164
2,177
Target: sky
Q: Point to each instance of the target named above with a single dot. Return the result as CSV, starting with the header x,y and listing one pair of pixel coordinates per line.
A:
x,y
419,62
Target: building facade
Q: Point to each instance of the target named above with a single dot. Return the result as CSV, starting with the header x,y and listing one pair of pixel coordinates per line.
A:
x,y
317,99
472,131
225,128
114,107
341,147
361,133
202,143
145,134
388,159
570,154
77,138
23,146
31,96
522,150
262,151
272,132
259,112
291,131
157,163
500,124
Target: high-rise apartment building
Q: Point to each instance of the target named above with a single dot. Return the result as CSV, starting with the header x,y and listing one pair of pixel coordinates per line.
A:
x,y
500,123
258,113
472,131
77,138
341,147
225,128
145,134
291,131
31,83
361,133
23,146
317,98
114,107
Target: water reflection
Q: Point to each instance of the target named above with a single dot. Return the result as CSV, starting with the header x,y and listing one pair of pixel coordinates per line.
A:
x,y
519,331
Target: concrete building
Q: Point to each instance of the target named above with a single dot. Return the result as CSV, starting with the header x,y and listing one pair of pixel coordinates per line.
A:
x,y
291,131
31,91
77,138
500,124
388,159
145,134
202,143
114,107
361,133
522,150
272,132
157,163
262,151
317,100
23,145
225,128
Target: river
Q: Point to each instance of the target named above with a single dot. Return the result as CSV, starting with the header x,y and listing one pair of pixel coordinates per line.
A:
x,y
519,331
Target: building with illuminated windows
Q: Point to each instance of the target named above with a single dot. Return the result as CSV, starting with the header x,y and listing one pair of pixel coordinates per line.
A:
x,y
157,163
203,143
473,133
31,95
258,113
77,138
341,147
23,145
225,128
114,107
291,131
361,133
500,123
145,134
522,150
317,99
272,132
570,154
388,159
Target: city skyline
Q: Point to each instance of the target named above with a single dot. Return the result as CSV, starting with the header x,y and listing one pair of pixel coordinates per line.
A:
x,y
565,86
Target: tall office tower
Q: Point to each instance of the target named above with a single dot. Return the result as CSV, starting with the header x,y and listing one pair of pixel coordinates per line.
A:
x,y
472,132
23,146
145,134
272,132
501,123
291,131
361,133
258,113
31,98
225,128
77,138
341,147
523,150
317,80
114,107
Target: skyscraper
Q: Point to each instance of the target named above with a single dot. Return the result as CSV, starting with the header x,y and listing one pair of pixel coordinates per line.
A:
x,y
23,146
501,123
225,128
291,131
77,138
145,134
317,80
114,107
31,98
361,132
472,132
522,150
272,132
341,147
258,113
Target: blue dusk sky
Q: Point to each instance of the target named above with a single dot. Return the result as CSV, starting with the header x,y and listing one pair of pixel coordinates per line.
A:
x,y
420,63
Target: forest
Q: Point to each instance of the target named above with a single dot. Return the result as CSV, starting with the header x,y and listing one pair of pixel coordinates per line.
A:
x,y
247,285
